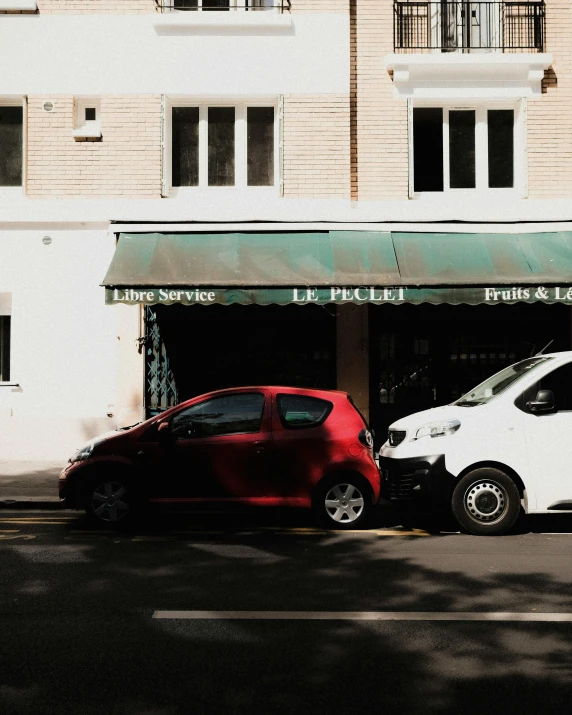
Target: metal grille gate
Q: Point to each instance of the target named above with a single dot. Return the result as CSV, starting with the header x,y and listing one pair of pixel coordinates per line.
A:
x,y
160,386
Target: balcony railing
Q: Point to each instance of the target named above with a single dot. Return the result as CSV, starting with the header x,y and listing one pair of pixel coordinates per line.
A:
x,y
469,26
223,5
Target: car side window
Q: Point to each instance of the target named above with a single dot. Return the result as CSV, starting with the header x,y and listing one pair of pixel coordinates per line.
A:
x,y
229,414
298,411
560,382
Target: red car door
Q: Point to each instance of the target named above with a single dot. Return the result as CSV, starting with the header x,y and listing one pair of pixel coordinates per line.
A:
x,y
220,448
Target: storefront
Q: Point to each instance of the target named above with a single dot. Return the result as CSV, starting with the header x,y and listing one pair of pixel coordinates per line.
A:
x,y
403,321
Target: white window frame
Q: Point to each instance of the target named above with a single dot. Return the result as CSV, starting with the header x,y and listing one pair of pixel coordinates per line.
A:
x,y
240,143
87,128
481,148
18,101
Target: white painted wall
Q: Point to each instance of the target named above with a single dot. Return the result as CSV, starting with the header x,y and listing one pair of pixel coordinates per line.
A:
x,y
64,347
127,54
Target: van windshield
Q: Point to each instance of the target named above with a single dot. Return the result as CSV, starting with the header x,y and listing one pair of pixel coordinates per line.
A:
x,y
498,383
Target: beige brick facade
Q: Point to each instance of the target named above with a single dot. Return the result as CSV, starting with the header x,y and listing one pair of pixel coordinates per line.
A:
x,y
318,6
125,163
101,6
317,146
379,122
550,115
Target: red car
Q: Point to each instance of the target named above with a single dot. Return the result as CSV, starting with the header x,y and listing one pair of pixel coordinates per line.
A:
x,y
274,446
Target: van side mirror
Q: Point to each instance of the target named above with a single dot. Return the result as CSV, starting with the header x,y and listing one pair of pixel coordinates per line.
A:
x,y
544,402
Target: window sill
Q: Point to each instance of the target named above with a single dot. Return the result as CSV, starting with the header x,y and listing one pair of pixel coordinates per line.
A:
x,y
467,195
248,191
86,135
18,5
450,76
223,22
9,384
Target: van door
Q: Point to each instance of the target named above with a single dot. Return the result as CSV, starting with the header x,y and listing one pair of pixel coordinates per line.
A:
x,y
549,440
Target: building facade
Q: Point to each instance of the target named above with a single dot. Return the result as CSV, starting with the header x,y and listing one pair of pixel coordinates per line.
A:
x,y
194,194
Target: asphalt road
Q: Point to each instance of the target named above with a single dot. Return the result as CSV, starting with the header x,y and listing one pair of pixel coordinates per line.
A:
x,y
284,618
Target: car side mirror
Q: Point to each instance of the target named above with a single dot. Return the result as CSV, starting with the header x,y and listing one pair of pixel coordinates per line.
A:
x,y
164,432
544,402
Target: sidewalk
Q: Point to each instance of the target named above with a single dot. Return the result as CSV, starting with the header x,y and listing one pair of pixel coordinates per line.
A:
x,y
29,484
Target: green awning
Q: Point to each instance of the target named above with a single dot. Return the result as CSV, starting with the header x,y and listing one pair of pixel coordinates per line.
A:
x,y
340,266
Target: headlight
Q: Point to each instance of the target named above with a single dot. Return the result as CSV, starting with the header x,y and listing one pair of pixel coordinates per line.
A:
x,y
438,429
83,453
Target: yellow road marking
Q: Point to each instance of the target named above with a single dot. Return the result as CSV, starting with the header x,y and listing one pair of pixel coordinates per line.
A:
x,y
7,537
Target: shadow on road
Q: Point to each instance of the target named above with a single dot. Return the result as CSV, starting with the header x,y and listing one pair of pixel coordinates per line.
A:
x,y
77,634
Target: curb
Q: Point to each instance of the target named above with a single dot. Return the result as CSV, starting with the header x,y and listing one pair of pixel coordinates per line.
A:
x,y
30,503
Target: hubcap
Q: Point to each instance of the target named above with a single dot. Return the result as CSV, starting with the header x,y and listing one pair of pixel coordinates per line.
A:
x,y
486,501
107,501
344,503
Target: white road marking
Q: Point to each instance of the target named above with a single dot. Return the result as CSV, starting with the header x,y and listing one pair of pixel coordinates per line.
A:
x,y
362,616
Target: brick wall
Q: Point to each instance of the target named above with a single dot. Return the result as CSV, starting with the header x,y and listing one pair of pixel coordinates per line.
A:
x,y
379,122
319,5
550,115
125,163
91,6
317,146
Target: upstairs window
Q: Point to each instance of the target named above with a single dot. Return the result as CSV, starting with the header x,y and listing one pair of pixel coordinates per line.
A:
x,y
218,146
11,126
464,148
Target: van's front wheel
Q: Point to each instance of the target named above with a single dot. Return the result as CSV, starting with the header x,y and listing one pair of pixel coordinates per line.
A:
x,y
486,502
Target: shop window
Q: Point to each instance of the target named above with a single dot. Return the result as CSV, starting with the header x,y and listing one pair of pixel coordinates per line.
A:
x,y
11,126
301,411
218,146
232,414
464,148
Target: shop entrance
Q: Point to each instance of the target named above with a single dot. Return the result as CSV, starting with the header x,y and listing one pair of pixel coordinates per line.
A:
x,y
195,349
429,355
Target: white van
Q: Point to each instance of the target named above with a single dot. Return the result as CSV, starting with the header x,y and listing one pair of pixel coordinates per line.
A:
x,y
506,444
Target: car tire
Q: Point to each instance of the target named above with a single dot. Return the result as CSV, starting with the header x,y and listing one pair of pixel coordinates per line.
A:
x,y
110,501
486,502
343,502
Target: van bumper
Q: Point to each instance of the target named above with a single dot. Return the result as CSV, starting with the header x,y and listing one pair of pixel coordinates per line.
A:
x,y
422,481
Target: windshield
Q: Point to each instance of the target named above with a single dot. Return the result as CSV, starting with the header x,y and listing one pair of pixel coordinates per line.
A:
x,y
498,383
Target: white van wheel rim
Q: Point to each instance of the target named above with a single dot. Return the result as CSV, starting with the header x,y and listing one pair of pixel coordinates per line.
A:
x,y
486,501
344,503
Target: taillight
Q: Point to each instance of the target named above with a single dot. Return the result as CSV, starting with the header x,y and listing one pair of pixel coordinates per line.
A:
x,y
366,438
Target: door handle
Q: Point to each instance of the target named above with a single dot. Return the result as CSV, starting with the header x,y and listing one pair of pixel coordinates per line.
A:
x,y
259,447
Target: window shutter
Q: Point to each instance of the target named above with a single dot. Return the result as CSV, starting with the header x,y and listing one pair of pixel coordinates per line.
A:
x,y
281,144
164,162
410,145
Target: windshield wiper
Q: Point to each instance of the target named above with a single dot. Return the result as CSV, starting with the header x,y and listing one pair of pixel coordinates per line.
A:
x,y
469,403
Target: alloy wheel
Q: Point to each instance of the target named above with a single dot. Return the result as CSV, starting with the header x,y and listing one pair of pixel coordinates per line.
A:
x,y
108,501
344,503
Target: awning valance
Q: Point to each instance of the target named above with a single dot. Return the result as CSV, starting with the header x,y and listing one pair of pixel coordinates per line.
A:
x,y
340,266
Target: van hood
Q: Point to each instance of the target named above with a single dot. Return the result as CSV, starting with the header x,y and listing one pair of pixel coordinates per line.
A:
x,y
446,412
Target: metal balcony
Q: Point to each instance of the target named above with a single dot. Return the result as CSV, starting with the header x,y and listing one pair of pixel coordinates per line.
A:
x,y
468,26
279,6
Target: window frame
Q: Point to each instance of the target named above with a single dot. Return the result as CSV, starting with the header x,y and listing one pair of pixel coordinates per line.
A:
x,y
520,187
19,101
6,312
240,143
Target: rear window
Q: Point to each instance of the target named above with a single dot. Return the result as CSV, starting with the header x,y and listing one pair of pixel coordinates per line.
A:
x,y
298,411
